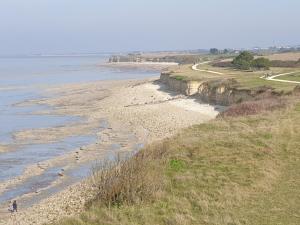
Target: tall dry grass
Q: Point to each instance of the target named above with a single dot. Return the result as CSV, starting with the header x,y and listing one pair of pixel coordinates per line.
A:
x,y
129,181
255,107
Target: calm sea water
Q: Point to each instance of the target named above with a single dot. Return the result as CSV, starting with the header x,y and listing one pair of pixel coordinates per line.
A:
x,y
25,78
39,71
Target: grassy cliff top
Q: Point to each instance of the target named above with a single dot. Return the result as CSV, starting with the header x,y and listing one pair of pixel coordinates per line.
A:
x,y
246,80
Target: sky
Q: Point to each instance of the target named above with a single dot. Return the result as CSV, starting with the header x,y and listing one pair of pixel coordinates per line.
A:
x,y
81,26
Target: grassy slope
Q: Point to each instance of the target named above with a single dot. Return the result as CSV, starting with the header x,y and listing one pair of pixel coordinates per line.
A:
x,y
243,170
293,77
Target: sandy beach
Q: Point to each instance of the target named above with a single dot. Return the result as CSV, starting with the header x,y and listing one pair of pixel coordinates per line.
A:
x,y
137,112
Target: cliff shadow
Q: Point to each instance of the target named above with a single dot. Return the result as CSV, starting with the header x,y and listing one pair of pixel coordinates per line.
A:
x,y
164,88
217,107
196,98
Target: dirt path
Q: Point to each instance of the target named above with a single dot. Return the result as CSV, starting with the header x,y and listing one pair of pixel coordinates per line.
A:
x,y
194,67
272,78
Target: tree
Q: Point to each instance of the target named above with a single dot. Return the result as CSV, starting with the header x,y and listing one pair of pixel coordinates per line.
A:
x,y
246,56
226,51
246,61
243,61
261,63
214,51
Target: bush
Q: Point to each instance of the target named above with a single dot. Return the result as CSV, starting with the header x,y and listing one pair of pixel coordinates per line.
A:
x,y
280,63
296,90
223,64
177,165
181,59
243,65
179,77
246,61
254,107
261,63
243,61
129,181
214,51
245,56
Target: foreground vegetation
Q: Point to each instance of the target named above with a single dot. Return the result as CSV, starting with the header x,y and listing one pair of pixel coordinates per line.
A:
x,y
242,168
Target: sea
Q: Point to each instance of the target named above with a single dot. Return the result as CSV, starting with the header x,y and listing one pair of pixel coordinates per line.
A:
x,y
25,78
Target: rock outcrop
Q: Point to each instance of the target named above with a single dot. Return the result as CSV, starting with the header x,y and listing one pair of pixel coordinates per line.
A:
x,y
188,88
222,91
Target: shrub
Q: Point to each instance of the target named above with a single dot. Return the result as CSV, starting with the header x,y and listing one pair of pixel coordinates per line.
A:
x,y
129,181
261,63
225,51
177,165
179,77
214,51
246,61
243,65
280,63
223,64
181,59
296,90
254,107
243,61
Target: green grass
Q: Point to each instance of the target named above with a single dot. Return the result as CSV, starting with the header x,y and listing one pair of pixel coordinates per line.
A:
x,y
251,81
246,80
293,77
179,77
177,165
232,171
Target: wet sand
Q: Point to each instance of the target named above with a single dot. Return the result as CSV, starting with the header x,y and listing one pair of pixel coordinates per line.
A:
x,y
4,148
136,112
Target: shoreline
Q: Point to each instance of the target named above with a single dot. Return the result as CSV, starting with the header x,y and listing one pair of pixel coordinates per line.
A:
x,y
145,109
151,66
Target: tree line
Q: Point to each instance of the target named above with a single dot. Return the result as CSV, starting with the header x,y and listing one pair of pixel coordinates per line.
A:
x,y
246,61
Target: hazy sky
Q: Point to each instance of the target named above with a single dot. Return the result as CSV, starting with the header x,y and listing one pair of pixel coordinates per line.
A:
x,y
57,26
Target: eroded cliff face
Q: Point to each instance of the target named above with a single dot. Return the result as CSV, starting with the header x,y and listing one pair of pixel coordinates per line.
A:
x,y
222,92
184,87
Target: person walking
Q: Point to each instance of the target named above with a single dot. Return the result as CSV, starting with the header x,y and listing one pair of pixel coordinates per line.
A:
x,y
15,206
